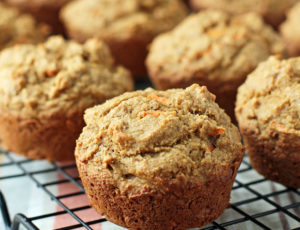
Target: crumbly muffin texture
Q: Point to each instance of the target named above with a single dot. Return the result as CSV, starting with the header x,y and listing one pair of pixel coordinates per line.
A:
x,y
162,135
270,97
214,47
17,28
159,159
123,19
268,112
58,76
291,32
272,10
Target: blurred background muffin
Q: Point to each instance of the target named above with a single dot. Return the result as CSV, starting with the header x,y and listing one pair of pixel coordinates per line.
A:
x,y
290,31
214,49
44,90
273,11
46,11
18,28
126,26
268,113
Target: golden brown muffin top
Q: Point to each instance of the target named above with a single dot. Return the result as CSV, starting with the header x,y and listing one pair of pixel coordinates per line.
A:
x,y
58,77
16,28
144,139
270,98
123,19
272,10
214,47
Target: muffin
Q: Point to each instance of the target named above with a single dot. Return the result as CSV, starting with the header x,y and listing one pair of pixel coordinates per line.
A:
x,y
159,159
44,90
46,11
17,28
290,31
214,49
273,11
126,26
268,112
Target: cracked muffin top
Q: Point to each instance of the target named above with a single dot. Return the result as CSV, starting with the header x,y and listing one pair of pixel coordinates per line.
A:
x,y
58,76
270,98
17,28
213,46
272,10
123,19
144,139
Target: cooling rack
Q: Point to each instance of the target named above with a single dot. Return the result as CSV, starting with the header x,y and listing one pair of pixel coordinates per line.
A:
x,y
256,203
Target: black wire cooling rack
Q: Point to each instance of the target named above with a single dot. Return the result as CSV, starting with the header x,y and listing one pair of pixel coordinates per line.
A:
x,y
247,192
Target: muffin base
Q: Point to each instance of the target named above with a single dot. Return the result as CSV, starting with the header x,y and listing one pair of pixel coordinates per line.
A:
x,y
130,53
292,45
177,207
278,161
53,138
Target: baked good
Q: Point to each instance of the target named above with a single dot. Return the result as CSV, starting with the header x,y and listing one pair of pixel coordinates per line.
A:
x,y
168,163
46,11
290,31
126,26
44,90
273,11
17,28
214,49
268,112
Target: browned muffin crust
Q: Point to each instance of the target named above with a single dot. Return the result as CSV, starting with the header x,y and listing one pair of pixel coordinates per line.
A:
x,y
46,11
44,90
126,26
18,28
268,113
290,31
159,159
214,49
273,11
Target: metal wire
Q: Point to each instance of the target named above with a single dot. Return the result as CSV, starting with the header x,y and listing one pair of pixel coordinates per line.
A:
x,y
29,222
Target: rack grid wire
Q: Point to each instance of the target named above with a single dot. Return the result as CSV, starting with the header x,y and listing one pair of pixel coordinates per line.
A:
x,y
284,211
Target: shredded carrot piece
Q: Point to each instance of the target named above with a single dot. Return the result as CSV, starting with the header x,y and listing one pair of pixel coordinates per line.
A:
x,y
158,98
278,126
215,33
217,132
51,72
156,113
211,148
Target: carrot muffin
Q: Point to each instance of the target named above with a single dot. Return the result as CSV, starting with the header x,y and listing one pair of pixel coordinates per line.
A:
x,y
268,113
46,11
273,11
169,163
214,49
127,26
290,31
17,28
44,90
